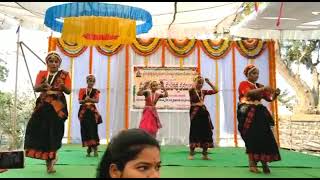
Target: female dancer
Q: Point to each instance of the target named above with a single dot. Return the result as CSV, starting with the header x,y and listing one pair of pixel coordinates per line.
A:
x,y
45,129
150,120
254,120
200,122
89,116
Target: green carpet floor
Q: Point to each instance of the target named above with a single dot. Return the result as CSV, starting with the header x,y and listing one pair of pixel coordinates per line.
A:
x,y
227,162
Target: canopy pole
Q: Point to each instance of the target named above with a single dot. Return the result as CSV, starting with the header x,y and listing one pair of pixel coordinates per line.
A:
x,y
14,120
22,43
25,61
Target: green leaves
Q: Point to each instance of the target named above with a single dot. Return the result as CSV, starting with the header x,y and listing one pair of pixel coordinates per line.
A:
x,y
3,71
286,99
300,52
25,105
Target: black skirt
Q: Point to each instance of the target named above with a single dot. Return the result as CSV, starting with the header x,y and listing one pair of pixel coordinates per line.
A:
x,y
200,128
254,123
89,129
44,133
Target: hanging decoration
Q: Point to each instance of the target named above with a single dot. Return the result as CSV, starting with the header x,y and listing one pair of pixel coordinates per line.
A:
x,y
70,49
93,31
216,49
181,48
251,48
256,6
109,49
146,47
94,23
280,14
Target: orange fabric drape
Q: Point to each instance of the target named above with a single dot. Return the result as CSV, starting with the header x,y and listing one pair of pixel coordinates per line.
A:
x,y
198,58
126,101
235,129
52,44
90,60
163,55
272,81
108,99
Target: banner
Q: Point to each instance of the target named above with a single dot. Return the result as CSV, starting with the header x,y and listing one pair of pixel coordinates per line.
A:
x,y
176,80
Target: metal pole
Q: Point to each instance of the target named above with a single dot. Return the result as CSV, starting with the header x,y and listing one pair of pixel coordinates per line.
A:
x,y
290,132
33,52
14,120
24,58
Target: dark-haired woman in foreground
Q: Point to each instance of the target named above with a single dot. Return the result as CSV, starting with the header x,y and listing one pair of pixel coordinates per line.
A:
x,y
132,153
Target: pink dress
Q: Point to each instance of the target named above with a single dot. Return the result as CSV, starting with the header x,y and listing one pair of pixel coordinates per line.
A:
x,y
150,120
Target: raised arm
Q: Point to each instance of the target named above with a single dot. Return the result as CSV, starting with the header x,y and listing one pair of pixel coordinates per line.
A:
x,y
164,89
214,89
142,90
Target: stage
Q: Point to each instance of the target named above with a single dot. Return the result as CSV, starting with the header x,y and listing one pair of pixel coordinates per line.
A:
x,y
226,163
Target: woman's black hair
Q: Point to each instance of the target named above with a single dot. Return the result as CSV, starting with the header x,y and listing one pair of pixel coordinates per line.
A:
x,y
124,147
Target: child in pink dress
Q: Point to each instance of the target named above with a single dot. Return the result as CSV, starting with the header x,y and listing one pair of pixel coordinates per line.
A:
x,y
150,120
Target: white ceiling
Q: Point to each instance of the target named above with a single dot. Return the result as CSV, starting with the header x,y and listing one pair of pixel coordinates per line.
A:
x,y
293,21
194,19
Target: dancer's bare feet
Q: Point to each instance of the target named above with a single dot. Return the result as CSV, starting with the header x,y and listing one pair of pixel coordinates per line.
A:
x,y
89,151
206,157
265,168
190,157
50,165
254,169
95,154
95,151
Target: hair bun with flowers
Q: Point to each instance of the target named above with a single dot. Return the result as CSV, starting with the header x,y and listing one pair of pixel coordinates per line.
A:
x,y
248,69
53,54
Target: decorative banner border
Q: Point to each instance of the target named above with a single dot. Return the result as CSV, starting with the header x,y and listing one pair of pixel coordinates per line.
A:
x,y
251,48
215,49
181,48
146,47
109,49
70,49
